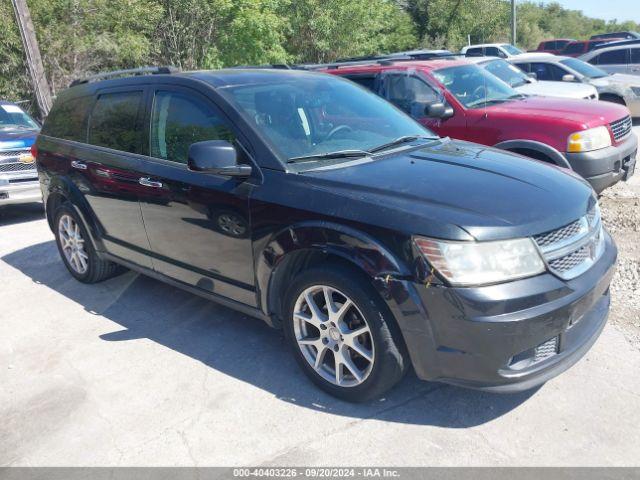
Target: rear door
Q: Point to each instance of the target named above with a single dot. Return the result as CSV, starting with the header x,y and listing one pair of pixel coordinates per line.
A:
x,y
198,223
634,61
107,171
612,61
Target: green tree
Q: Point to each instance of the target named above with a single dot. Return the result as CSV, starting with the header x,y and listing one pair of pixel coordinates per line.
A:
x,y
14,81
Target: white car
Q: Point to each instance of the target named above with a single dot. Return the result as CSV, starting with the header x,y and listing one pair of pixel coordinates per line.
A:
x,y
616,88
502,50
529,85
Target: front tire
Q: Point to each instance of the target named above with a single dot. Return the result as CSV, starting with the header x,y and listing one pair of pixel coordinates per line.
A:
x,y
342,334
76,249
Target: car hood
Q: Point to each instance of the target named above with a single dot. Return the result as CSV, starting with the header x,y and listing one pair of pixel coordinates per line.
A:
x,y
14,139
557,89
453,190
569,110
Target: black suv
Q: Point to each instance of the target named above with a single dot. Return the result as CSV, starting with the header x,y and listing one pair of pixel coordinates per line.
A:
x,y
304,200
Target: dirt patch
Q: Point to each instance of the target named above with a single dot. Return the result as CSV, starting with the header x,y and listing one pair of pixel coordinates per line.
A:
x,y
621,215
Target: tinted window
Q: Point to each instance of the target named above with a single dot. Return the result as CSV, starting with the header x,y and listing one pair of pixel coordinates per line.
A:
x,y
366,82
547,71
577,47
493,52
561,43
611,57
635,55
113,122
177,121
474,52
549,45
68,120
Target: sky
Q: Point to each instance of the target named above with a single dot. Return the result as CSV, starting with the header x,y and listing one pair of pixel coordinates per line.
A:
x,y
605,9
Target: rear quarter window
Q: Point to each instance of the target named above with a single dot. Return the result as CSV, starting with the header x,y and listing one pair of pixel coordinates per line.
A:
x,y
68,119
114,122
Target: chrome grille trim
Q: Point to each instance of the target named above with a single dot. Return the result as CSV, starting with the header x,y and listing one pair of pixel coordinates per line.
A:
x,y
571,250
13,153
621,128
17,167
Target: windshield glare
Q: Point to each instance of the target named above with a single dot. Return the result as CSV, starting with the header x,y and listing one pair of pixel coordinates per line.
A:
x,y
474,86
13,117
506,72
584,68
511,49
315,115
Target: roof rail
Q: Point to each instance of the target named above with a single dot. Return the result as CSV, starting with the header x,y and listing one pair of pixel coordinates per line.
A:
x,y
276,66
126,73
616,43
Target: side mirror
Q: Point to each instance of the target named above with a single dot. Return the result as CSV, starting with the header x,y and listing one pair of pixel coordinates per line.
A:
x,y
532,75
438,110
216,156
568,78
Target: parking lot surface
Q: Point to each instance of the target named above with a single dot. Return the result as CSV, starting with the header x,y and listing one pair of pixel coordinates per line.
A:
x,y
134,372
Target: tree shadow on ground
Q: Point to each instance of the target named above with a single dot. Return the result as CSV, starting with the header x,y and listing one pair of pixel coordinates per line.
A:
x,y
246,348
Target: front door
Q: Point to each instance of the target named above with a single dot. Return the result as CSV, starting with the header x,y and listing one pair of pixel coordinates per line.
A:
x,y
198,223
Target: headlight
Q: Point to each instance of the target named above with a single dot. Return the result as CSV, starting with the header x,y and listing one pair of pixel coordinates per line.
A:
x,y
636,91
588,140
479,263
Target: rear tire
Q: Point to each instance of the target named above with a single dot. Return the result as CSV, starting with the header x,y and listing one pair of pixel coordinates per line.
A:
x,y
76,249
359,345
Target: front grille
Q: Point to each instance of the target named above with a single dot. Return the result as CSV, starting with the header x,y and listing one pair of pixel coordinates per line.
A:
x,y
561,234
545,350
621,128
13,153
16,167
571,250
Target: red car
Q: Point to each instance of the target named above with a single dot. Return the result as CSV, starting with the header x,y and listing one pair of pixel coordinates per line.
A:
x,y
554,46
577,48
458,99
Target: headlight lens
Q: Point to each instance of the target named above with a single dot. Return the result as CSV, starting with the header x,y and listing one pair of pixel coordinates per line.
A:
x,y
480,263
588,140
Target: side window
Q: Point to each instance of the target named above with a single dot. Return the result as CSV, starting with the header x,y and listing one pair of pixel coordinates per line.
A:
x,y
474,52
574,48
612,57
409,93
178,120
114,122
525,67
635,56
68,120
494,52
366,82
542,71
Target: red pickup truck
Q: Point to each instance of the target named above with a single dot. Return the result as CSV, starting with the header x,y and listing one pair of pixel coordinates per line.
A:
x,y
458,99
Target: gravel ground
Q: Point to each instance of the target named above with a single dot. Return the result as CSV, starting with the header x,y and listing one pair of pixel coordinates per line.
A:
x,y
621,214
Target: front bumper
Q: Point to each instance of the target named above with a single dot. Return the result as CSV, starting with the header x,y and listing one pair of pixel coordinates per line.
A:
x,y
19,192
606,167
486,337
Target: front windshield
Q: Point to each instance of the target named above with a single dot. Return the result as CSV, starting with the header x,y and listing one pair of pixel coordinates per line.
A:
x,y
319,114
511,49
506,72
584,68
13,117
474,87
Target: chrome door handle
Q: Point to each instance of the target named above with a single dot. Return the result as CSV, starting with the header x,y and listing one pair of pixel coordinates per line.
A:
x,y
78,165
147,182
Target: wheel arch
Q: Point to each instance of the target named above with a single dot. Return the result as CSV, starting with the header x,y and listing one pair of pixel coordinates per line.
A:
x,y
310,243
540,151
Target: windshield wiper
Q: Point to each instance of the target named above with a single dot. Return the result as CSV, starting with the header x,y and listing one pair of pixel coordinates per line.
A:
x,y
400,141
330,155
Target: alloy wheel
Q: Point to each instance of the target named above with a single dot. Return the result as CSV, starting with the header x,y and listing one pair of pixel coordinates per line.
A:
x,y
72,244
333,336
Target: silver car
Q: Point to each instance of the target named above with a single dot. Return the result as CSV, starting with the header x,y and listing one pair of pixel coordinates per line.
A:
x,y
615,59
18,175
529,85
618,88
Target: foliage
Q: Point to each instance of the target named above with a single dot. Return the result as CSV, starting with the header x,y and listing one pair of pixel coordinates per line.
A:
x,y
79,37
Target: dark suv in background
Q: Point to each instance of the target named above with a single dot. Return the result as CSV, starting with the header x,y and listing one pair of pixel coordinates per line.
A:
x,y
308,202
